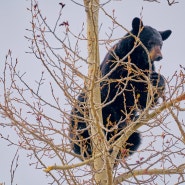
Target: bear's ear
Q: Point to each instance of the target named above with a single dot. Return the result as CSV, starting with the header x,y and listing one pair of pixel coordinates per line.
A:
x,y
165,34
136,24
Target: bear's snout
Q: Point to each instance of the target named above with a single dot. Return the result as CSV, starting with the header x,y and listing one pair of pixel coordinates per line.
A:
x,y
155,54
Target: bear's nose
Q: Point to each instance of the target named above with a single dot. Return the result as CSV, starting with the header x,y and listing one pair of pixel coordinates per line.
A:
x,y
159,58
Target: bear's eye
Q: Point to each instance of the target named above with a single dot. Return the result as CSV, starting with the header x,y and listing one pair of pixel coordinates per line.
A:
x,y
151,43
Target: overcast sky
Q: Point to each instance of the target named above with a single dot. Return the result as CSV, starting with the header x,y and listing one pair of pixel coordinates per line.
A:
x,y
14,19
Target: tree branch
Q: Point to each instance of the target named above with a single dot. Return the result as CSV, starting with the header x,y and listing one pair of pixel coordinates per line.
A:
x,y
180,169
137,124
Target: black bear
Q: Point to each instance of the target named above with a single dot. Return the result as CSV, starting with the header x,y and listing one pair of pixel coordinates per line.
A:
x,y
128,73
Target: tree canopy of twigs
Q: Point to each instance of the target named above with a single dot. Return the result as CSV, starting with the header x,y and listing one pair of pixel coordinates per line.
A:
x,y
42,123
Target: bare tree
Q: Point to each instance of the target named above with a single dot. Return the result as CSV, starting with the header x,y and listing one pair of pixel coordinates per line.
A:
x,y
42,121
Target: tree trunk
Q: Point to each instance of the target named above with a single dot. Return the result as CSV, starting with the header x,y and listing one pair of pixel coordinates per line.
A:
x,y
101,165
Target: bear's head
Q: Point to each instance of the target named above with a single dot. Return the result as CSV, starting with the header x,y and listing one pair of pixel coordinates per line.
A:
x,y
151,38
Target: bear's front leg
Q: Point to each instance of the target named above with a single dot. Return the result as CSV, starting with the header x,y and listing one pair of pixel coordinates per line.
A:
x,y
158,83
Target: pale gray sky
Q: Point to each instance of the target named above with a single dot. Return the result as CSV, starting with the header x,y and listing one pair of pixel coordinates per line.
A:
x,y
14,19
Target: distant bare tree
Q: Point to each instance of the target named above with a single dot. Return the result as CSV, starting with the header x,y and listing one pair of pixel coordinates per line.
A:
x,y
40,112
